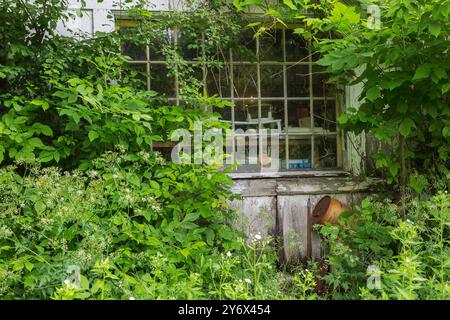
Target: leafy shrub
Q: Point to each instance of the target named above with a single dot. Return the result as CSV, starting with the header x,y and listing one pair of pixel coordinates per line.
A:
x,y
411,256
112,222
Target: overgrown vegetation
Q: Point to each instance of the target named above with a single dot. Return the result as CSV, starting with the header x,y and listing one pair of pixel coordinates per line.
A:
x,y
89,211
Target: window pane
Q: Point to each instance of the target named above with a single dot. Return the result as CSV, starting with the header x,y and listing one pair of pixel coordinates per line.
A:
x,y
139,74
297,81
325,115
272,114
218,82
161,81
271,81
296,48
299,118
166,37
245,47
271,46
282,150
327,151
246,112
321,86
189,43
131,47
299,152
245,81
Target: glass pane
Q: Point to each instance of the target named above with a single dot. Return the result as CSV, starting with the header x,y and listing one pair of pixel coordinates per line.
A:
x,y
325,116
131,47
272,114
326,157
161,81
246,114
271,46
139,75
245,47
134,51
321,86
166,37
282,150
297,81
296,48
299,152
218,82
299,118
189,43
271,81
245,81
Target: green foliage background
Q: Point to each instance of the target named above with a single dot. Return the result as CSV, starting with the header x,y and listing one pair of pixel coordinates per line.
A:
x,y
82,192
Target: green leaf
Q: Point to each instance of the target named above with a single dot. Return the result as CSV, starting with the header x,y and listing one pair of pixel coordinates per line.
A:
x,y
290,4
154,184
29,266
46,156
402,106
185,252
192,216
445,87
2,151
406,126
36,143
422,72
92,135
435,28
373,93
39,206
42,103
446,132
209,236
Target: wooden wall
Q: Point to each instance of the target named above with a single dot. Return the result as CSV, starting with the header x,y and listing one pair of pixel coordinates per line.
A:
x,y
278,207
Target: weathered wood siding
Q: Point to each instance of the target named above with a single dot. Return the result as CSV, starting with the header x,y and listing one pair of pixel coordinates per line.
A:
x,y
278,207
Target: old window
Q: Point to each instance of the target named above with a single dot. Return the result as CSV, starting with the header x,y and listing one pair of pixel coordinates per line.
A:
x,y
272,80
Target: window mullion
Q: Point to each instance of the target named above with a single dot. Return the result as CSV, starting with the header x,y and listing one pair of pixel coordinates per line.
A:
x,y
311,104
286,127
258,82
